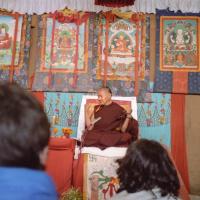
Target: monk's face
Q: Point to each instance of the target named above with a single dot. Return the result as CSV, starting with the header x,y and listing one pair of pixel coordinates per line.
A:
x,y
104,97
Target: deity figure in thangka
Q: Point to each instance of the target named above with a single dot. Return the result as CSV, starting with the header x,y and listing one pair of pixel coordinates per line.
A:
x,y
180,39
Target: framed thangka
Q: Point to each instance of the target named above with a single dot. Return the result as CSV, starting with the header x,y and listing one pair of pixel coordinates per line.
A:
x,y
14,32
117,52
177,56
64,46
63,59
123,52
179,43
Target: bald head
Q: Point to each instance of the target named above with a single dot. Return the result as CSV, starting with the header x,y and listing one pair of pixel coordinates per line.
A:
x,y
106,89
104,96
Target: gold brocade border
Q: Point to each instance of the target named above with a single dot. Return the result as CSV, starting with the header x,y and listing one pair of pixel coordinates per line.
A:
x,y
152,52
142,46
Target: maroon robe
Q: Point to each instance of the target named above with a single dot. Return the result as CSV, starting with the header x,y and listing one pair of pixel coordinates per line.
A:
x,y
106,132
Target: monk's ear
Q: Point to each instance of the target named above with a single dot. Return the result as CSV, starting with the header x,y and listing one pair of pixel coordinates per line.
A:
x,y
109,95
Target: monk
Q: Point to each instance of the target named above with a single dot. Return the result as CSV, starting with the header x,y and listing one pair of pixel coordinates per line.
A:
x,y
108,124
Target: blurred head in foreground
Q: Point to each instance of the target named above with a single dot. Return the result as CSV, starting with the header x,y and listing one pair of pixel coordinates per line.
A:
x,y
24,129
146,166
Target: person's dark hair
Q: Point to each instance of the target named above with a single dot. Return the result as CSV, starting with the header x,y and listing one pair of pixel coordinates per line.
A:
x,y
24,128
107,89
145,166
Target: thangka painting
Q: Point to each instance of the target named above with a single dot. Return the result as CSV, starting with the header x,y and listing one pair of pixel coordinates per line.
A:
x,y
62,110
64,47
14,47
178,56
154,118
179,45
123,54
100,178
67,57
119,55
65,53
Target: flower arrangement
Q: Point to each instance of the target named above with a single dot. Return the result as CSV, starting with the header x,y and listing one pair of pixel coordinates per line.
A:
x,y
55,130
67,131
71,194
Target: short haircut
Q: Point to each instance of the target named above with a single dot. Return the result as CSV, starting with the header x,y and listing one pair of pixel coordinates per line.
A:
x,y
145,166
24,128
106,88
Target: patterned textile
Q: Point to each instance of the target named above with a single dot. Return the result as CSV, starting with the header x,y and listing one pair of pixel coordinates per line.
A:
x,y
63,111
122,54
155,119
100,178
68,58
64,62
179,47
140,6
114,3
14,47
177,57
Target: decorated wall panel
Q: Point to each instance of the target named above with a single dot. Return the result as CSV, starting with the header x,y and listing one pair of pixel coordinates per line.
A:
x,y
80,52
64,59
177,55
63,112
14,47
154,118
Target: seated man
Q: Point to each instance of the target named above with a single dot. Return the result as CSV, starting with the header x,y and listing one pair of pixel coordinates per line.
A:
x,y
108,124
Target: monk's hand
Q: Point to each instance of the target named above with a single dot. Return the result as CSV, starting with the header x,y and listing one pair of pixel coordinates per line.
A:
x,y
89,110
128,112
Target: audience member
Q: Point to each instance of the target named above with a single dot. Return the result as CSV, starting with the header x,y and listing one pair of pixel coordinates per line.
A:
x,y
24,136
146,173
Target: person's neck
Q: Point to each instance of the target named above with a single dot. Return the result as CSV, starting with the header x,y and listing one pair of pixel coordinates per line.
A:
x,y
108,103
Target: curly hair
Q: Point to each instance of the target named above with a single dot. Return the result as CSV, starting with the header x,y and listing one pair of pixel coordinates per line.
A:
x,y
145,166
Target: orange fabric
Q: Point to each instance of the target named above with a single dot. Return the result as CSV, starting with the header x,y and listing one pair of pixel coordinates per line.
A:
x,y
184,194
78,173
39,96
178,142
180,82
60,162
66,16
